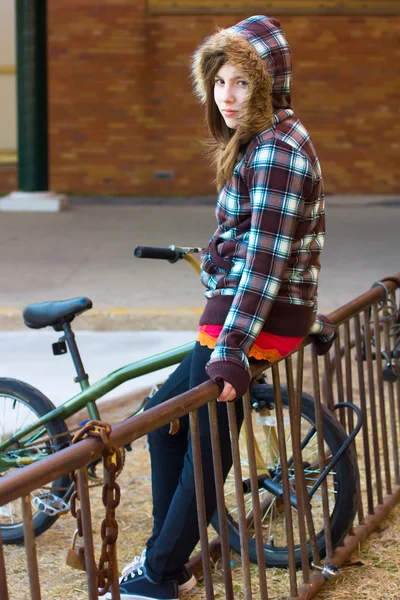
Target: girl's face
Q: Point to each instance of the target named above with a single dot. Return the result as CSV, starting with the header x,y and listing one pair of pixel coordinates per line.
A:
x,y
230,93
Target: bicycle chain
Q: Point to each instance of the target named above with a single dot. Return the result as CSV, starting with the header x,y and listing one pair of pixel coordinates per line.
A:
x,y
49,438
52,437
110,497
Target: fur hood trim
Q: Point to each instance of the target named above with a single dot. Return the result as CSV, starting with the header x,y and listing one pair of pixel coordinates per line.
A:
x,y
259,47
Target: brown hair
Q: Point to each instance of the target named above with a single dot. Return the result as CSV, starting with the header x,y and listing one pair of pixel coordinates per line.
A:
x,y
223,148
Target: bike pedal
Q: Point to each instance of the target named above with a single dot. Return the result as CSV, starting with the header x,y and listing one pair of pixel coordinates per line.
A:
x,y
50,504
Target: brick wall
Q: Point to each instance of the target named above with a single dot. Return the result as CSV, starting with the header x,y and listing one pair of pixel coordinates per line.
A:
x,y
121,107
8,178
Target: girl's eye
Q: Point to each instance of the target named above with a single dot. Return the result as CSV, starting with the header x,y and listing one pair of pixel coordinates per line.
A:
x,y
242,82
219,81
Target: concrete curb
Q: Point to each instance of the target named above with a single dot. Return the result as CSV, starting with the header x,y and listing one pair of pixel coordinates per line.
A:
x,y
117,319
345,199
33,202
122,319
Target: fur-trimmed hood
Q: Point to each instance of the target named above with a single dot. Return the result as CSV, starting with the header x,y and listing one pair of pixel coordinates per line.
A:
x,y
258,46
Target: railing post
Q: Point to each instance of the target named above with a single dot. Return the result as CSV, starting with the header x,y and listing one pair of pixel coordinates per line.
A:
x,y
285,481
201,508
363,405
392,408
321,452
257,516
3,576
30,547
90,563
219,489
372,400
382,403
244,547
298,465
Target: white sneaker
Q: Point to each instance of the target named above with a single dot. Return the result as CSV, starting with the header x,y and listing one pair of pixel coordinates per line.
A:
x,y
137,563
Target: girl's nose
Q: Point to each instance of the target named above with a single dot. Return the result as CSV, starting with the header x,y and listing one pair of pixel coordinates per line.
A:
x,y
228,95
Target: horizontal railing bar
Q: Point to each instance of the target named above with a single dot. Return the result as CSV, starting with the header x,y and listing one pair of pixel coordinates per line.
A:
x,y
21,482
340,315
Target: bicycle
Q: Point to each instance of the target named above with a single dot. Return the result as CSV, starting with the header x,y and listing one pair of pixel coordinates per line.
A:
x,y
38,429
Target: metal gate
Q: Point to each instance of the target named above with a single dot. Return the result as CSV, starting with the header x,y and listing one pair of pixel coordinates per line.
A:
x,y
358,382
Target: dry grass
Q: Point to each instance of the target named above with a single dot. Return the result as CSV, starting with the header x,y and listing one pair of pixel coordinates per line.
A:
x,y
375,573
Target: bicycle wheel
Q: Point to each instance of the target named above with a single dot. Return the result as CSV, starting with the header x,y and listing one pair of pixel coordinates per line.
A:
x,y
342,483
20,406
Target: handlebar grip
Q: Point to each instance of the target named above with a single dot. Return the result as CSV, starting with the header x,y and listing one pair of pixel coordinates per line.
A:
x,y
154,252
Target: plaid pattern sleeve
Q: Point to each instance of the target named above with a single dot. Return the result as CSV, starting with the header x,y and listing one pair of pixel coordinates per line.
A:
x,y
278,177
322,333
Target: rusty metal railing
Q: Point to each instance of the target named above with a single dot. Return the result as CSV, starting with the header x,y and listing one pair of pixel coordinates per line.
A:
x,y
279,456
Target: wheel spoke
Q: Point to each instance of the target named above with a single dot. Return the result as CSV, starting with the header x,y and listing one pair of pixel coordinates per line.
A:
x,y
22,406
272,512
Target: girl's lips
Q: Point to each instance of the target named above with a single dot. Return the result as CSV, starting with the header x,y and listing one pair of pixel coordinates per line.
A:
x,y
229,113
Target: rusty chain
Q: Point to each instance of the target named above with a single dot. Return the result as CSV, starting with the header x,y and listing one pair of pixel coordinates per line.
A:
x,y
111,497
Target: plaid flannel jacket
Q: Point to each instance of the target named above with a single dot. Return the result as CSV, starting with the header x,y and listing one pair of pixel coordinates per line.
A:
x,y
261,267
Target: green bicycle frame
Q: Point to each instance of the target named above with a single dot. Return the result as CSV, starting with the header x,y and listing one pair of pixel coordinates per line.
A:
x,y
87,397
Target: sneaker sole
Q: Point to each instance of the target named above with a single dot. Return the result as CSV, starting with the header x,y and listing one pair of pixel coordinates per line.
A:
x,y
182,589
188,585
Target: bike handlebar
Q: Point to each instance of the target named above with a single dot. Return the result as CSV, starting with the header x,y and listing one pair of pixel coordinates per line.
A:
x,y
160,253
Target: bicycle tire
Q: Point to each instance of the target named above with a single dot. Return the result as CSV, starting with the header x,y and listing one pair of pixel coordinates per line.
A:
x,y
346,481
29,403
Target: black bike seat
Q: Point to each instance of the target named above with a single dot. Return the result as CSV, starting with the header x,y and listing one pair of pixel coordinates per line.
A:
x,y
54,314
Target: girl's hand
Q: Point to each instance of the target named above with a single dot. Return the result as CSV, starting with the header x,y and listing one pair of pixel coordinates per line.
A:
x,y
228,393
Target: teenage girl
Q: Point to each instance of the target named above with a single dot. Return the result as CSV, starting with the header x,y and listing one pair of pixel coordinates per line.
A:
x,y
260,273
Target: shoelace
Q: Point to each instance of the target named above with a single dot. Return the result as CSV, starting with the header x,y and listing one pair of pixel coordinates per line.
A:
x,y
132,574
136,564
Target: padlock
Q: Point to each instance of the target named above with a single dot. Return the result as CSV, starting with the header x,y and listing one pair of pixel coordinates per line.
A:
x,y
329,571
75,559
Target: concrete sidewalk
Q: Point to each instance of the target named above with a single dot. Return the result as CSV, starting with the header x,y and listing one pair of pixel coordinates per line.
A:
x,y
27,356
88,251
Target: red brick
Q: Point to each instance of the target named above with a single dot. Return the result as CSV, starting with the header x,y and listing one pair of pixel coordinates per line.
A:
x,y
121,106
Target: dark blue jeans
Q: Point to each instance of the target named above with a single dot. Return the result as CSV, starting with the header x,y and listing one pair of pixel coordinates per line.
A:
x,y
175,530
